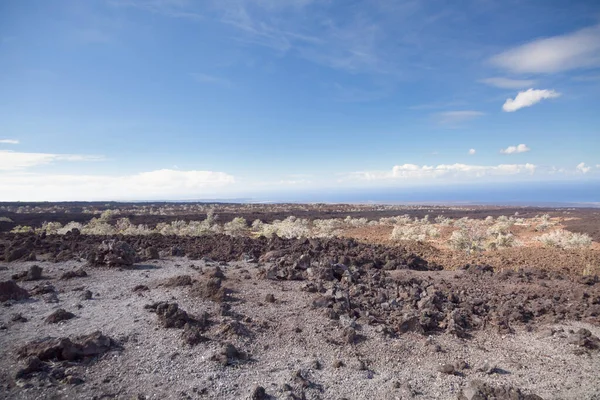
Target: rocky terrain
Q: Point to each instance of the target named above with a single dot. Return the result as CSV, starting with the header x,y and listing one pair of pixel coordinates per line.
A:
x,y
222,317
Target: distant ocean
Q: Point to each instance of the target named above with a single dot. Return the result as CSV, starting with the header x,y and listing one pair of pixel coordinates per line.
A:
x,y
565,194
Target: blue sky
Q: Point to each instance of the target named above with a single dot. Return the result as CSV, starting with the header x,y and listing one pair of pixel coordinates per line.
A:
x,y
178,99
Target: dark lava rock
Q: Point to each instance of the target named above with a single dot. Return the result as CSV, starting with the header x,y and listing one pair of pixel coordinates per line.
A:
x,y
58,316
113,254
34,273
447,369
229,355
171,316
478,390
411,324
18,317
44,288
181,280
9,290
86,295
151,253
192,335
32,364
584,338
210,289
141,288
259,393
78,273
14,254
270,298
61,349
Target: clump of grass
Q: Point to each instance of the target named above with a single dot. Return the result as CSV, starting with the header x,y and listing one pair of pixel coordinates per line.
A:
x,y
6,219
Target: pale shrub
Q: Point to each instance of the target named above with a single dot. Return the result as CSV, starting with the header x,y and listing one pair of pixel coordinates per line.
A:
x,y
106,215
398,220
503,240
5,219
293,227
125,227
565,239
236,227
442,220
544,224
97,226
50,228
69,227
471,237
414,232
355,222
21,229
327,228
463,222
499,228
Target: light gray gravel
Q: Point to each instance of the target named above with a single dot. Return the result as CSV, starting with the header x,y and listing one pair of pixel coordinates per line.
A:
x,y
286,336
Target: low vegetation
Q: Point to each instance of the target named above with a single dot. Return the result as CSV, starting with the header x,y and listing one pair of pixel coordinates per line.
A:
x,y
462,234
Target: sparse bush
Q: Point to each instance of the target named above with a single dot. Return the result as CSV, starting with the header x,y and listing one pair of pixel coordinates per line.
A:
x,y
236,227
97,226
502,240
293,227
416,232
442,220
50,228
499,228
565,239
69,227
470,237
544,224
22,229
6,219
398,220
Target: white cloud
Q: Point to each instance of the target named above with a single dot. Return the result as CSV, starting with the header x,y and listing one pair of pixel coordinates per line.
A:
x,y
446,171
579,49
11,160
159,184
528,98
453,118
9,141
584,169
472,151
521,148
506,83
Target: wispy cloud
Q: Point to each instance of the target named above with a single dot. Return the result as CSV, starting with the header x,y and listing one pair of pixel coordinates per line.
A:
x,y
9,141
456,118
446,171
168,8
472,151
521,148
12,160
507,83
528,98
210,79
146,185
579,49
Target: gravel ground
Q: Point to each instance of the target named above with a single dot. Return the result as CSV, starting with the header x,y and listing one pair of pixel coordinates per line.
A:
x,y
293,349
